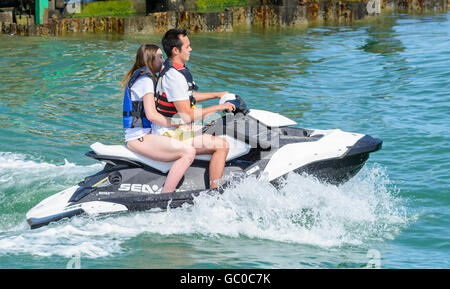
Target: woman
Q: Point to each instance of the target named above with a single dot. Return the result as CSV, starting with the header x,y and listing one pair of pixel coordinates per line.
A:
x,y
140,112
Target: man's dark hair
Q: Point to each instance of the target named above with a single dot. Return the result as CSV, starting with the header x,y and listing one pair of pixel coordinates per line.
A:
x,y
171,39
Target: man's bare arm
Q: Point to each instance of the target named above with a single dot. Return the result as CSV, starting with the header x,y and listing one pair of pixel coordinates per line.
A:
x,y
189,114
202,96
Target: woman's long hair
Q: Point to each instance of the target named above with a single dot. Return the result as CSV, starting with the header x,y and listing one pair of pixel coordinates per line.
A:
x,y
144,57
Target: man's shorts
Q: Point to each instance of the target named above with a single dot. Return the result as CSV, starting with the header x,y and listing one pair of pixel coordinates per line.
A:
x,y
180,134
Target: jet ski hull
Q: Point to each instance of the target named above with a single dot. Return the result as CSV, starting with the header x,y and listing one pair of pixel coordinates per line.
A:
x,y
126,203
136,194
339,170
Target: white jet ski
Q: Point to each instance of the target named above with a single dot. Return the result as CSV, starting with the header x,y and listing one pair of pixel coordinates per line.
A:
x,y
262,143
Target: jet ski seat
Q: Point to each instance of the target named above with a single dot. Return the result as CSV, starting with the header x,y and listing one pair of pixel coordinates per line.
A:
x,y
237,149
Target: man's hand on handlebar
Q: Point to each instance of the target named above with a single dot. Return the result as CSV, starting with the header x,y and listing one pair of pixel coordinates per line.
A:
x,y
228,106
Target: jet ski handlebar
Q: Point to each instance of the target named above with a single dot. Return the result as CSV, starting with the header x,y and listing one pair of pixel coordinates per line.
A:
x,y
238,102
240,107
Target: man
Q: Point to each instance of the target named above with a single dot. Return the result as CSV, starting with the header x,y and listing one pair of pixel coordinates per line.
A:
x,y
176,96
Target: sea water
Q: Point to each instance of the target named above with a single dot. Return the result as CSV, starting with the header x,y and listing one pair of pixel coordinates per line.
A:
x,y
389,78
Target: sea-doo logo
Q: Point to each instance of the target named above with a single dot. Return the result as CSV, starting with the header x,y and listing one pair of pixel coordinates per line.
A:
x,y
139,188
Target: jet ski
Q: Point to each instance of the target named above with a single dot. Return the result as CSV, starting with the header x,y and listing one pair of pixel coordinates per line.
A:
x,y
262,144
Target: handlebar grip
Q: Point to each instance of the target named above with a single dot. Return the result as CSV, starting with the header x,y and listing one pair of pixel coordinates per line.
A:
x,y
236,104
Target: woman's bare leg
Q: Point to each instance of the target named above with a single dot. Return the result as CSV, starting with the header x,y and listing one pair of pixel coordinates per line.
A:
x,y
162,148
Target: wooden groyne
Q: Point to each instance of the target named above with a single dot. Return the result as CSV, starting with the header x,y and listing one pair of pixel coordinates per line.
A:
x,y
262,16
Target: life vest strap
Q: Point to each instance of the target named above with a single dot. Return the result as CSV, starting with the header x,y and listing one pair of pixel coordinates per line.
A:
x,y
165,103
134,113
167,111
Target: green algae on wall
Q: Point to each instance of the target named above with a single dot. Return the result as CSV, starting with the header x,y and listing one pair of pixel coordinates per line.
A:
x,y
218,5
109,8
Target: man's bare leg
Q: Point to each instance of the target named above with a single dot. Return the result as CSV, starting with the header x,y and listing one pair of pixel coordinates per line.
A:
x,y
218,147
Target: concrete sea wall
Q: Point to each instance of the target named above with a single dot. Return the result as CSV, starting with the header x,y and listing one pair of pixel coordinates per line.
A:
x,y
300,13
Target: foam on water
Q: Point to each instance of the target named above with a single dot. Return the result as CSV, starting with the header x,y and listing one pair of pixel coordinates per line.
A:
x,y
18,169
25,181
303,211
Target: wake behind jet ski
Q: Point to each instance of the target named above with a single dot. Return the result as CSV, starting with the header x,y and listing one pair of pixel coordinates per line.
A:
x,y
262,143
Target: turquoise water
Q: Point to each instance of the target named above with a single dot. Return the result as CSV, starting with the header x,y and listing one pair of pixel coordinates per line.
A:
x,y
389,78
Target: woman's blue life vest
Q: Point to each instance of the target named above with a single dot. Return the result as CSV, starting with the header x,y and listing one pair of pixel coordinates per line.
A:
x,y
163,105
133,111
